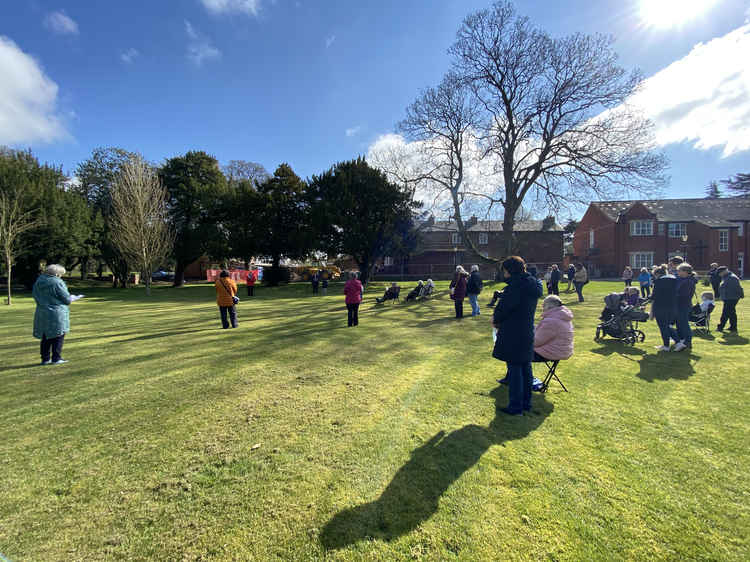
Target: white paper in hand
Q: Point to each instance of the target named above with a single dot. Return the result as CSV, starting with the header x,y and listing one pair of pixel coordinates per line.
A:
x,y
74,298
494,335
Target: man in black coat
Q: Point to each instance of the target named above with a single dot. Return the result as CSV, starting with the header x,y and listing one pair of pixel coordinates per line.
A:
x,y
473,288
514,320
715,279
554,281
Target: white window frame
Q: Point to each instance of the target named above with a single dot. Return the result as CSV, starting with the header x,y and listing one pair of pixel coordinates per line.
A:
x,y
641,259
483,238
387,261
675,232
642,228
455,238
724,240
591,239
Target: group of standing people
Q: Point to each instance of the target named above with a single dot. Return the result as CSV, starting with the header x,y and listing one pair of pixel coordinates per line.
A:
x,y
465,284
672,301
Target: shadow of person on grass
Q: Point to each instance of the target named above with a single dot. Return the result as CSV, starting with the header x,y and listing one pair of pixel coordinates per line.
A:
x,y
731,339
414,493
664,366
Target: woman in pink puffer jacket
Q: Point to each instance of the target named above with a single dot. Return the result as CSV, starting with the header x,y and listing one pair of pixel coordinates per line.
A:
x,y
553,337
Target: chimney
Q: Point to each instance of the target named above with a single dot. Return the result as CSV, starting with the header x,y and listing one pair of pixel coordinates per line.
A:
x,y
472,221
548,223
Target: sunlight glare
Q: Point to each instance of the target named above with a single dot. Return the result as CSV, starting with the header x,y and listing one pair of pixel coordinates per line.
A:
x,y
672,13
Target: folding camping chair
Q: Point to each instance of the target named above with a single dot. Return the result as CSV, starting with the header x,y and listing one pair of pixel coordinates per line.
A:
x,y
551,374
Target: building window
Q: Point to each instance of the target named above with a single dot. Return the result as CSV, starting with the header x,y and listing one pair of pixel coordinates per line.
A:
x,y
641,259
483,238
677,229
387,261
591,238
641,228
741,229
661,229
723,240
455,238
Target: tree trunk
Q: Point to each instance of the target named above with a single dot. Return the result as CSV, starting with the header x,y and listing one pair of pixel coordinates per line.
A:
x,y
148,286
179,274
9,269
364,272
84,268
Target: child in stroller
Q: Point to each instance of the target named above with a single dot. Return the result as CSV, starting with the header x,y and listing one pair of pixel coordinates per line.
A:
x,y
620,319
700,315
416,292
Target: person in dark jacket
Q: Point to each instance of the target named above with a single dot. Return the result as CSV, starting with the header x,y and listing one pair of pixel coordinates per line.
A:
x,y
554,280
714,278
514,321
731,292
664,300
686,283
315,281
473,288
458,290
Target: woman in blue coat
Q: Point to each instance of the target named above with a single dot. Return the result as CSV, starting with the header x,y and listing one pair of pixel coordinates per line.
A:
x,y
52,317
514,320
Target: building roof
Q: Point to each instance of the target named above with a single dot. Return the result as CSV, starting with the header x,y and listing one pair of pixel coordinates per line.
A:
x,y
716,213
489,226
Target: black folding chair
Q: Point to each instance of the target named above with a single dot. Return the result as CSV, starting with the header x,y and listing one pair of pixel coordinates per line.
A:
x,y
551,374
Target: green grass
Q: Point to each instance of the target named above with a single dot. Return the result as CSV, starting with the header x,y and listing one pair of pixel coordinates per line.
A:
x,y
294,437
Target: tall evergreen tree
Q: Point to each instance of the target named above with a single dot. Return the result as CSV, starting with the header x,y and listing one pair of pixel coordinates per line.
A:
x,y
739,184
197,188
357,211
712,191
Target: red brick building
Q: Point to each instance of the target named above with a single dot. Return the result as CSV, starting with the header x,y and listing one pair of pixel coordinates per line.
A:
x,y
539,242
613,234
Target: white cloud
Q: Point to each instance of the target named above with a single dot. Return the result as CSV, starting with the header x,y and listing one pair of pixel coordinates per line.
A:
x,y
704,98
129,55
353,131
199,47
249,7
330,40
28,99
61,23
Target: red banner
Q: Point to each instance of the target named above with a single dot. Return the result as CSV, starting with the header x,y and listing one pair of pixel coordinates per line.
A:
x,y
234,274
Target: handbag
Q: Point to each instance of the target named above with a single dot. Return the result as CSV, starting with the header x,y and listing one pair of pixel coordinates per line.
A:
x,y
235,298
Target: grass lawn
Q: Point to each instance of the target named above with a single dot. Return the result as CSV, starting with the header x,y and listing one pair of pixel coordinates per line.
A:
x,y
295,437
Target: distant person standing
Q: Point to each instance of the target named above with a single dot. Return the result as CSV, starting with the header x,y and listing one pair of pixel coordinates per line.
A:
x,y
731,292
686,283
554,280
473,288
714,278
644,280
664,305
52,315
252,277
627,276
674,263
324,283
315,281
458,290
580,278
353,297
226,298
571,276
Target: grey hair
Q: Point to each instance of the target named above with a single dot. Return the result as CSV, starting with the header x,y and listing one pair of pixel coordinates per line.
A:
x,y
54,269
552,299
474,268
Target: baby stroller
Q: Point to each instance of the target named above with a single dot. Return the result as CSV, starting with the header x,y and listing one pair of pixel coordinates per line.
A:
x,y
416,292
620,320
701,320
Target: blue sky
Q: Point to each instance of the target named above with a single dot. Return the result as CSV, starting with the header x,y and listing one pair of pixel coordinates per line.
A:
x,y
312,83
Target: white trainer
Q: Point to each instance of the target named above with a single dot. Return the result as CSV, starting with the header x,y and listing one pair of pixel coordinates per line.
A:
x,y
662,348
680,346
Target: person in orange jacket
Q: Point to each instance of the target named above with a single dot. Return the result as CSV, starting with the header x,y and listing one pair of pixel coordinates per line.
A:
x,y
226,298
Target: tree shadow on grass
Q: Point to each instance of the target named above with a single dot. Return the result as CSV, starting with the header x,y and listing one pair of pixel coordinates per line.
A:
x,y
664,366
413,495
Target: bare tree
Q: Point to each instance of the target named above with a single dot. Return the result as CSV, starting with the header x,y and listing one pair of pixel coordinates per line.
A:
x,y
554,118
14,221
139,217
238,170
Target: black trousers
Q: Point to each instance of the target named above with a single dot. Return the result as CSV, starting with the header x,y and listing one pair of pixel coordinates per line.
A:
x,y
459,304
352,310
53,345
250,290
315,288
715,287
553,288
729,312
232,312
628,282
